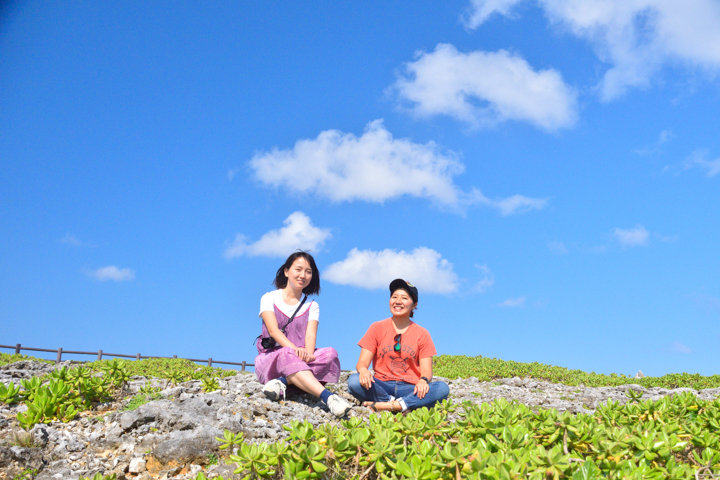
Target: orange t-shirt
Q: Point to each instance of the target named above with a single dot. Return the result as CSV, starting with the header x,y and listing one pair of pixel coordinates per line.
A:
x,y
404,365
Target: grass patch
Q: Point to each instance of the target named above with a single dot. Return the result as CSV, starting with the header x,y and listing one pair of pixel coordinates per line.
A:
x,y
141,399
489,369
7,358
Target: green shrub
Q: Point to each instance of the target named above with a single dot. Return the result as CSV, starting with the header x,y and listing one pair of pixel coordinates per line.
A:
x,y
487,369
671,438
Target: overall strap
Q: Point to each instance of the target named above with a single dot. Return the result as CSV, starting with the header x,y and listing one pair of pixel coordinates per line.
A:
x,y
289,321
293,315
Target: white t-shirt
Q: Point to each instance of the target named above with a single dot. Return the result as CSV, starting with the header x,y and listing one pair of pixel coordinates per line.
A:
x,y
275,298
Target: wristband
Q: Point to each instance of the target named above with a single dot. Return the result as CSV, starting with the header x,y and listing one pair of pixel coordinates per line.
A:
x,y
426,380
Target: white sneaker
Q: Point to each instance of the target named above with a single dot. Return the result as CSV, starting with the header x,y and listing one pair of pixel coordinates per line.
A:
x,y
274,389
338,406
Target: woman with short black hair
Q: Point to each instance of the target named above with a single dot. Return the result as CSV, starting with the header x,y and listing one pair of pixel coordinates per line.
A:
x,y
401,354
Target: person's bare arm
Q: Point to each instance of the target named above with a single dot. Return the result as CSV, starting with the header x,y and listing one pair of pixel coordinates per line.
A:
x,y
363,368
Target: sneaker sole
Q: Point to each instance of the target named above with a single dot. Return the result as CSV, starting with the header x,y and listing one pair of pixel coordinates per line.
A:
x,y
272,396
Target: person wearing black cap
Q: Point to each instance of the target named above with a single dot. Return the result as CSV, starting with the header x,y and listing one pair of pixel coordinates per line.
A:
x,y
400,352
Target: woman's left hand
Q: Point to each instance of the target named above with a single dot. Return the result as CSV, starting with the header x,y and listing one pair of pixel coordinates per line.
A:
x,y
310,355
305,355
421,388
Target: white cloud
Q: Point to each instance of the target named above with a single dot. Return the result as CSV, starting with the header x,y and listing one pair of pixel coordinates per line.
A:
x,y
519,203
699,160
423,267
481,10
484,88
635,37
70,239
298,233
73,241
487,279
513,302
375,167
632,237
678,347
113,273
664,137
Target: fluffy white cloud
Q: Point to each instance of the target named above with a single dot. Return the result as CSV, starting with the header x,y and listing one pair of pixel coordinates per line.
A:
x,y
298,233
486,88
513,302
113,273
375,167
632,237
423,267
636,37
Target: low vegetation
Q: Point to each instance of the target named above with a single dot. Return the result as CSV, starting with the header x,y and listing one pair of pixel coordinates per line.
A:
x,y
65,392
488,369
673,438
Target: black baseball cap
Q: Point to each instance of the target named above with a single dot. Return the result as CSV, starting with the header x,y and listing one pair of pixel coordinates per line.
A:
x,y
399,283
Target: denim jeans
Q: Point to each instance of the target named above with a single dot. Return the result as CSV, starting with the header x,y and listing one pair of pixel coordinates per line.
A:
x,y
385,391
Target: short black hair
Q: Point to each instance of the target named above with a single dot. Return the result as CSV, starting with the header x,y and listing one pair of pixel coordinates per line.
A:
x,y
281,280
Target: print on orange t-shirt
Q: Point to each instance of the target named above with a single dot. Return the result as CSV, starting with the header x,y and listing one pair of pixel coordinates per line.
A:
x,y
404,365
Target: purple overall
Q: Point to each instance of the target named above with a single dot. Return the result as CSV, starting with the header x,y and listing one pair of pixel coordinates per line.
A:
x,y
282,361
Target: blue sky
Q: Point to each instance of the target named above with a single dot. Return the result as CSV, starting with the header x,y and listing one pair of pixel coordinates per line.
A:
x,y
546,172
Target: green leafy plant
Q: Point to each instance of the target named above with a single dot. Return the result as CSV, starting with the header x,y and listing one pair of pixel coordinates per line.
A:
x,y
210,384
230,440
27,474
633,395
9,393
100,476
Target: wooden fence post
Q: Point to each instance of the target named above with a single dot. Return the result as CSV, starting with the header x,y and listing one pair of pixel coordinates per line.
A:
x,y
243,365
210,362
137,357
99,355
59,355
17,348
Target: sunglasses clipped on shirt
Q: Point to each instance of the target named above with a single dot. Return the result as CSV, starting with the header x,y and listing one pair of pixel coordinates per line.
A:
x,y
397,342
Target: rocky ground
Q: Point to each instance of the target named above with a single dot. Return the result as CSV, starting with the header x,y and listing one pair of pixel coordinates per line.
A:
x,y
174,437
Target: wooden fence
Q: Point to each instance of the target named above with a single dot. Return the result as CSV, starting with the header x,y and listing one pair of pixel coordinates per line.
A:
x,y
100,354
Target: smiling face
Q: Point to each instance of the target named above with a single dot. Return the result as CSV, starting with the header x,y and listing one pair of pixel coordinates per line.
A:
x,y
401,303
299,274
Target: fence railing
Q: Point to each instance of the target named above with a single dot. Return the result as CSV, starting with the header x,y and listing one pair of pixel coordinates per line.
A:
x,y
100,354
